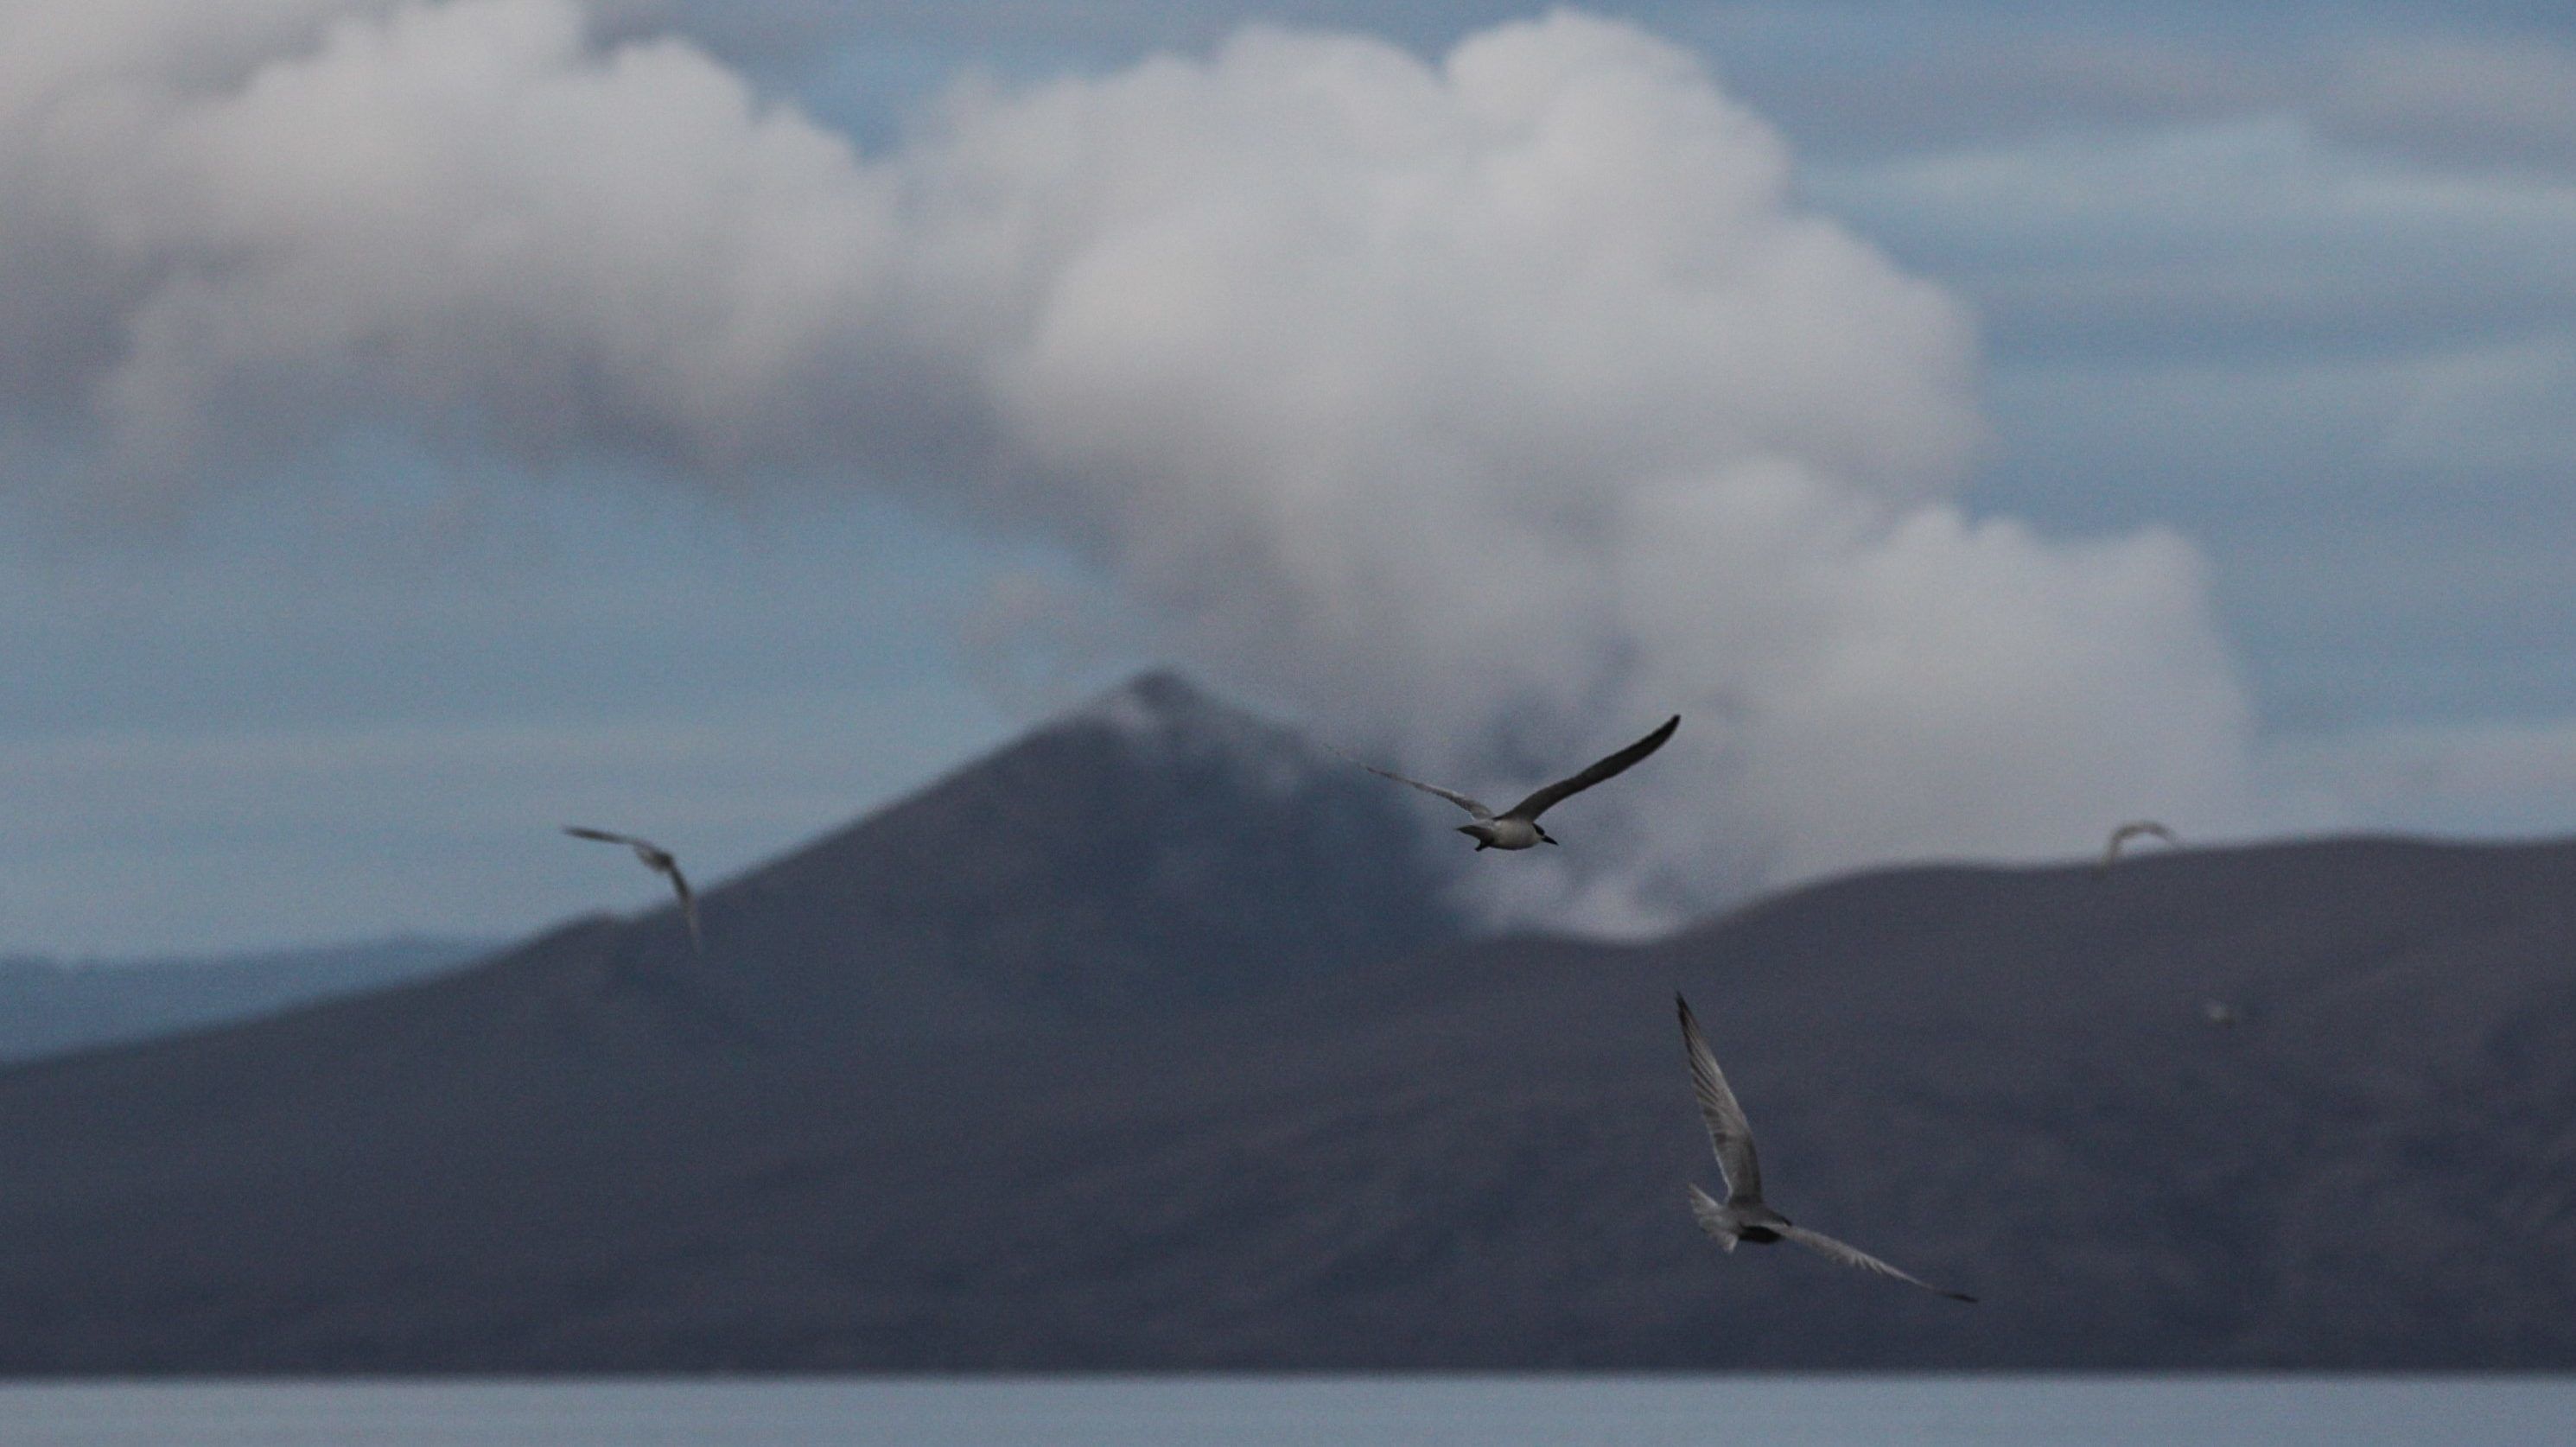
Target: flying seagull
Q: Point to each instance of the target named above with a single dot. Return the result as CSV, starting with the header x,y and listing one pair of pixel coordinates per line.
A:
x,y
1517,826
659,860
2135,828
1743,1216
2221,1014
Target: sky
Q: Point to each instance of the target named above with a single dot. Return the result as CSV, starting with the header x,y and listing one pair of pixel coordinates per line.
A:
x,y
422,425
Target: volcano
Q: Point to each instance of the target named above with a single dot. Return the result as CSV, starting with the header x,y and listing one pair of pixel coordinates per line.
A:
x,y
1155,1041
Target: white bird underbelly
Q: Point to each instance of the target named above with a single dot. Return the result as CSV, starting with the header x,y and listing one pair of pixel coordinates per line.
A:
x,y
1502,833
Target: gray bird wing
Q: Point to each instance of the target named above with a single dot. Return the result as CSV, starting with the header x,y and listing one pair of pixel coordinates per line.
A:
x,y
657,859
688,902
2127,832
1452,795
1618,763
1850,1255
1711,1216
1729,1134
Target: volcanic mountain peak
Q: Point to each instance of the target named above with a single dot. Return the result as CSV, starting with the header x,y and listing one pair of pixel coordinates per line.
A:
x,y
1162,715
1154,848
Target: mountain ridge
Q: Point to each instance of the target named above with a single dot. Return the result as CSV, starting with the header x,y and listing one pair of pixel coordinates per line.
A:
x,y
860,1135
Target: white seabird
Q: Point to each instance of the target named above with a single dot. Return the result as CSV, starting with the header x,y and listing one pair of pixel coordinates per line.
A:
x,y
1743,1216
659,860
1517,826
2135,828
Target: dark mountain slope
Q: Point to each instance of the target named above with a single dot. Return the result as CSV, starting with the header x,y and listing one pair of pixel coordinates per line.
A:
x,y
2000,1079
1153,850
594,1154
505,1141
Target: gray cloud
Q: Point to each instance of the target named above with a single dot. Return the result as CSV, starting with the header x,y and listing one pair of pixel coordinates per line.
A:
x,y
2314,307
2473,778
2464,86
2264,235
1481,409
2459,99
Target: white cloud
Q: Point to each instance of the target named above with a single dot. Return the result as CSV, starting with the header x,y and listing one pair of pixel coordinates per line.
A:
x,y
1484,409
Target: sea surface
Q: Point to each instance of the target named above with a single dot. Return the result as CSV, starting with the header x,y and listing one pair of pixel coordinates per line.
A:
x,y
1257,1411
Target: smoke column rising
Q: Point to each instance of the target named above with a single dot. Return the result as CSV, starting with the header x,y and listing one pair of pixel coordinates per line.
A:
x,y
1484,409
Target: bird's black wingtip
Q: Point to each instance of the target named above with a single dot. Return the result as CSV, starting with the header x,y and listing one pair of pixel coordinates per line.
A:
x,y
1960,1296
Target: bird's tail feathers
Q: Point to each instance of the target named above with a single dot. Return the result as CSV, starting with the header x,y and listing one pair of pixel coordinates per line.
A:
x,y
1713,1218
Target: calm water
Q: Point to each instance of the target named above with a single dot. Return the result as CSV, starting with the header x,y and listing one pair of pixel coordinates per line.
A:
x,y
1255,1412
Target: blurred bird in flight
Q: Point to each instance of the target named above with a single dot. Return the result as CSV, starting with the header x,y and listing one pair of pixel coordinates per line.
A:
x,y
659,860
1517,827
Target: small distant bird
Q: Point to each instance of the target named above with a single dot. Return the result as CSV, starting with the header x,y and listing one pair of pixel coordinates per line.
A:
x,y
1743,1216
2136,828
659,860
2221,1014
1517,827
